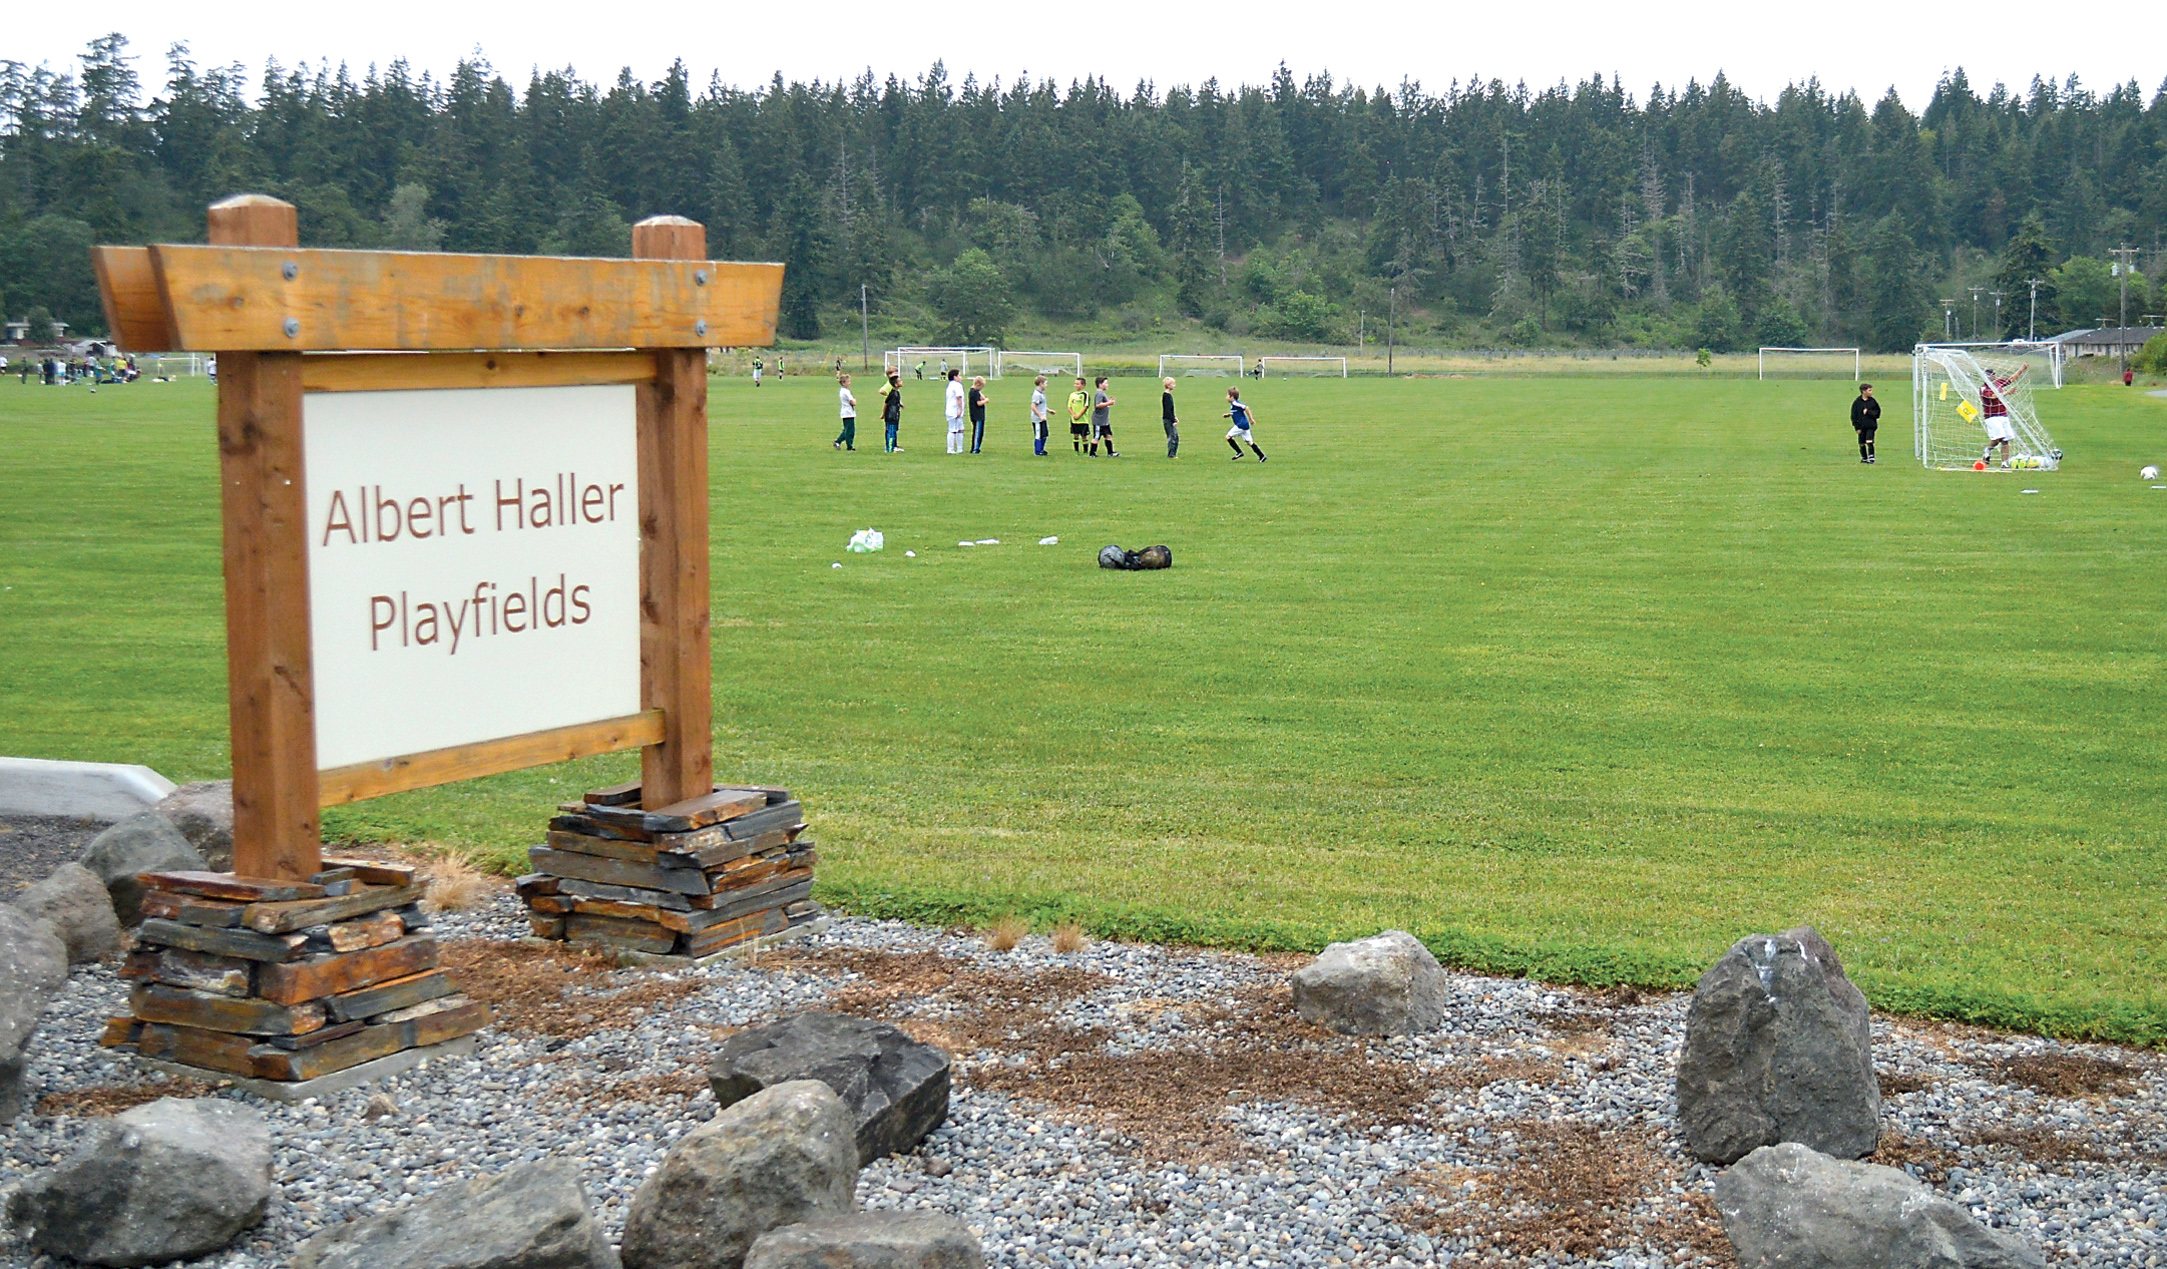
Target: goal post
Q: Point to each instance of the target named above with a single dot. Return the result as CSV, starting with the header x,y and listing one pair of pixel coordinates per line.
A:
x,y
1038,363
1288,367
1220,365
2044,356
971,359
1809,363
1961,398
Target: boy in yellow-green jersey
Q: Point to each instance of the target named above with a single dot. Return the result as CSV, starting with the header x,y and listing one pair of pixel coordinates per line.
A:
x,y
1079,414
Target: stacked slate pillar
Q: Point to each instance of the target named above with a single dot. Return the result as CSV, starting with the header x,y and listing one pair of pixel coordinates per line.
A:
x,y
287,981
690,879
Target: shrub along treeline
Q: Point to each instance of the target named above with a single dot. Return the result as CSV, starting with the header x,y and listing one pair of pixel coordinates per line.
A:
x,y
1697,216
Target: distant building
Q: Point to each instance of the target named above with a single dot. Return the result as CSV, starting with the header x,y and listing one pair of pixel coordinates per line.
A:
x,y
2104,341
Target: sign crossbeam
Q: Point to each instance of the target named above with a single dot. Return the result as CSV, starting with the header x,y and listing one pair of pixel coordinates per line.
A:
x,y
292,325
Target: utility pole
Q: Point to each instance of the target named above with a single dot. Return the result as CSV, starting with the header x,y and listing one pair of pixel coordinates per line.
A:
x,y
2126,259
1948,319
2032,335
1390,321
865,332
1975,311
1360,334
1997,313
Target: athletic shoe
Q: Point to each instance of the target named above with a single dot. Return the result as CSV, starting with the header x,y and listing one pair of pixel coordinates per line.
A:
x,y
838,445
1262,459
1239,457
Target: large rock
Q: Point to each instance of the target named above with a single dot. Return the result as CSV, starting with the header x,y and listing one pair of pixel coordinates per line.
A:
x,y
779,1157
141,843
1388,984
871,1240
203,811
161,1182
74,902
33,965
1778,1047
896,1088
534,1216
1789,1207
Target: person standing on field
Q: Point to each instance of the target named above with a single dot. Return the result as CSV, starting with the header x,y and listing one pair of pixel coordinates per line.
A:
x,y
757,366
1240,432
1038,416
848,439
1166,416
978,412
954,411
1102,421
891,408
1865,418
1079,412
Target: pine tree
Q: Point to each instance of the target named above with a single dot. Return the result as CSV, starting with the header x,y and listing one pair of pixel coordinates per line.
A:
x,y
800,238
1190,239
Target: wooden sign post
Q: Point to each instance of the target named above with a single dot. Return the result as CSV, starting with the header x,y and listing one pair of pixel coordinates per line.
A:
x,y
465,509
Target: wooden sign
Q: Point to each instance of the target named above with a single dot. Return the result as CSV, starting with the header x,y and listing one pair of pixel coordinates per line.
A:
x,y
465,505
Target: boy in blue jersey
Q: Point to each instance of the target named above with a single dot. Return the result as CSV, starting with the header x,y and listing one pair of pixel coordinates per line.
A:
x,y
1239,434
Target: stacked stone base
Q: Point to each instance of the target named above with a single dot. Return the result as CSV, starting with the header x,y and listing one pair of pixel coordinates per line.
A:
x,y
287,981
687,880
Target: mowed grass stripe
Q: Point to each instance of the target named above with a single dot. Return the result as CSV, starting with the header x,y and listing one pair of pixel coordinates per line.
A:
x,y
1583,678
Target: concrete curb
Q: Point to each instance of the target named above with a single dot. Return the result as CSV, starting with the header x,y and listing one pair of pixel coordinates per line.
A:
x,y
90,790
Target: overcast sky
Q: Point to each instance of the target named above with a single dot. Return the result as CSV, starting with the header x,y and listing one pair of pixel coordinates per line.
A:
x,y
1846,43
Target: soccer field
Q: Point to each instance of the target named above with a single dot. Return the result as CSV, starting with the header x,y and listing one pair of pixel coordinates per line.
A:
x,y
1581,678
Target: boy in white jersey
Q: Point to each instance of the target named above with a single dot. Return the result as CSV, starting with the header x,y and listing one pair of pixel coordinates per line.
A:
x,y
954,408
848,439
1038,416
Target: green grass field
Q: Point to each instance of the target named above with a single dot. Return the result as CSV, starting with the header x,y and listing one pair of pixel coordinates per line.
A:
x,y
1579,678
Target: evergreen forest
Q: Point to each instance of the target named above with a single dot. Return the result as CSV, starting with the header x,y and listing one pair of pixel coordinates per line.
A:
x,y
1482,214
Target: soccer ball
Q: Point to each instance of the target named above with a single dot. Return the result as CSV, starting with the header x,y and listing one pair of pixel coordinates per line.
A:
x,y
2149,473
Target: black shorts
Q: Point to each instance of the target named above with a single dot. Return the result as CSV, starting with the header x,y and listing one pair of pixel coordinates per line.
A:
x,y
1866,433
1079,429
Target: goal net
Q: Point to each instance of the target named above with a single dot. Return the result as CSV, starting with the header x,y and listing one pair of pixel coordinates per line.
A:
x,y
2044,358
970,359
1222,365
1810,363
1039,363
1961,397
1288,367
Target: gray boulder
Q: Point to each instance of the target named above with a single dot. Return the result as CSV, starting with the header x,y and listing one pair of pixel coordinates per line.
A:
x,y
1788,1207
871,1240
779,1157
1778,1047
141,843
1387,984
168,1180
33,965
74,902
895,1087
203,812
534,1216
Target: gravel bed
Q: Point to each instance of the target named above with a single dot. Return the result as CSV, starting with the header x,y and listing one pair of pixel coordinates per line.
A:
x,y
1087,1129
31,846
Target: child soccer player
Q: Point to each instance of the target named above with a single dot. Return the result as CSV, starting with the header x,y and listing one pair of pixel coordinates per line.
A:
x,y
757,367
1166,416
1865,420
848,438
1102,424
978,412
1996,414
1038,416
954,411
891,407
1240,433
1079,410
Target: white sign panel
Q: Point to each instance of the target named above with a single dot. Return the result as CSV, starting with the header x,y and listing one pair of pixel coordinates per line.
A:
x,y
473,565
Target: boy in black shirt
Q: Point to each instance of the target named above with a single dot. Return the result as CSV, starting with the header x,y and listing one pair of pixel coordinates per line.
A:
x,y
1865,419
1166,416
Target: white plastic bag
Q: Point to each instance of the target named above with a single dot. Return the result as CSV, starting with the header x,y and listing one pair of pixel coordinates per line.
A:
x,y
866,540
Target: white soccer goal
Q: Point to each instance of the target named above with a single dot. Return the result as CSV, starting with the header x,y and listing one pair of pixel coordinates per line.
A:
x,y
1957,393
2043,357
1217,364
1810,363
1039,363
972,359
1288,367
